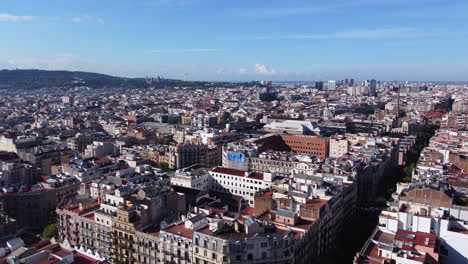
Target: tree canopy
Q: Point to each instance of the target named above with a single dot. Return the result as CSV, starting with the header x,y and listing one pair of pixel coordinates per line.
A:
x,y
50,231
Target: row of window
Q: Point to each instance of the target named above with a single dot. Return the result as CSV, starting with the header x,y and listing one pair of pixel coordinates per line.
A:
x,y
235,184
288,142
237,178
233,191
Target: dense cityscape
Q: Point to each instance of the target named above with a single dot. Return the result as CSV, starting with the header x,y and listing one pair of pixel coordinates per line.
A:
x,y
336,171
234,132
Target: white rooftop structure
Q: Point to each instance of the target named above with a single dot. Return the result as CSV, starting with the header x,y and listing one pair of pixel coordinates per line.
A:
x,y
298,126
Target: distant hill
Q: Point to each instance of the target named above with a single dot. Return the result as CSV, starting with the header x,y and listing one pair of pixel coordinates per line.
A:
x,y
35,79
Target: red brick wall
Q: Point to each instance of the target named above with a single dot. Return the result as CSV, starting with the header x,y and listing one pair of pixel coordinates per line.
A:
x,y
262,205
316,146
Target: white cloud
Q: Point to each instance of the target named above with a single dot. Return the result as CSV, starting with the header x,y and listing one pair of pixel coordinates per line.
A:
x,y
183,50
64,61
250,72
304,8
5,17
382,33
263,37
76,19
220,71
362,34
169,3
13,18
87,18
263,69
379,33
284,11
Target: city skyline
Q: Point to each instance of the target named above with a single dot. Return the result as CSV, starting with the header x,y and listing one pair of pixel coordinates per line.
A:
x,y
241,41
227,132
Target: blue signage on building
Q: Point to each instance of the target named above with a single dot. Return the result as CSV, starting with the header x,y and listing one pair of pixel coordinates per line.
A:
x,y
233,156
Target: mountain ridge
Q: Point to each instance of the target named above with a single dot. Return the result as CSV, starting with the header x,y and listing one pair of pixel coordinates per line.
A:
x,y
36,79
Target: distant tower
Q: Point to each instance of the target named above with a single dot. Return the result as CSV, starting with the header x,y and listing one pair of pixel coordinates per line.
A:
x,y
319,85
149,80
269,95
373,87
67,100
398,103
269,87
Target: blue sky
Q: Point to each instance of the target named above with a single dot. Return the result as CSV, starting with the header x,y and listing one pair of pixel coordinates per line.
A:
x,y
240,40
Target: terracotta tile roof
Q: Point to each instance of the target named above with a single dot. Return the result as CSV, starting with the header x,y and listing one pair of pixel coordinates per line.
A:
x,y
316,203
180,230
83,259
248,211
229,171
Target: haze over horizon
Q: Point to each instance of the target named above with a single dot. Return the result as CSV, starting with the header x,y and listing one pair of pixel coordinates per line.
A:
x,y
241,40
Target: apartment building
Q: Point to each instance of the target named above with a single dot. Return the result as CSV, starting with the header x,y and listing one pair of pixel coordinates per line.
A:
x,y
193,177
338,146
241,183
184,155
70,223
420,226
247,242
176,240
147,247
129,218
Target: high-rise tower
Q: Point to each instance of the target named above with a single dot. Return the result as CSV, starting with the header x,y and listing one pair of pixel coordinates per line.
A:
x,y
398,103
373,87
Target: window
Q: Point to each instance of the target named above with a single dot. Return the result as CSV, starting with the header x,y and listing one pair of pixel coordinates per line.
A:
x,y
213,256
